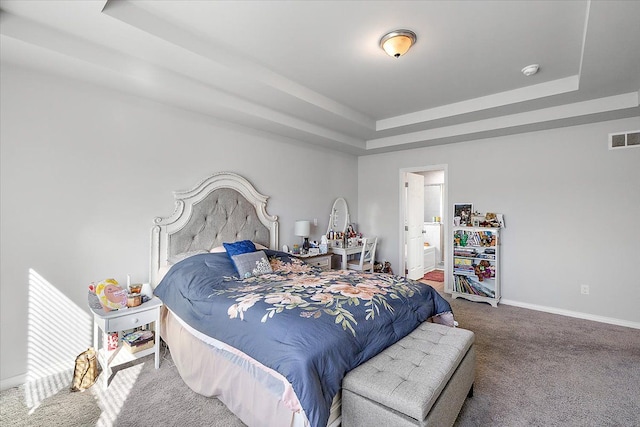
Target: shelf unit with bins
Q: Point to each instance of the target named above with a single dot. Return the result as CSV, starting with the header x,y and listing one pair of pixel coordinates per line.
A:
x,y
476,264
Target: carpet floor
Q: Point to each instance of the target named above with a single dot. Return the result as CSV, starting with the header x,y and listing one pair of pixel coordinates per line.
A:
x,y
533,369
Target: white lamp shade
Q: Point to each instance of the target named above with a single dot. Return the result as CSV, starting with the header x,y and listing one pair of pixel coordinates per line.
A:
x,y
302,228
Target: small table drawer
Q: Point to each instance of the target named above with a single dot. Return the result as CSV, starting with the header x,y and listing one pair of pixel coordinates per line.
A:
x,y
130,321
323,262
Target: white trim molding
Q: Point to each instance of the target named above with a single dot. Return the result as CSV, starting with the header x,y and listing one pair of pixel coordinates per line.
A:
x,y
570,313
16,381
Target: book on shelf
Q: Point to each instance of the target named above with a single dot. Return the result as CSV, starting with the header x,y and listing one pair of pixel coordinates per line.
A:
x,y
469,253
138,340
138,336
467,285
139,347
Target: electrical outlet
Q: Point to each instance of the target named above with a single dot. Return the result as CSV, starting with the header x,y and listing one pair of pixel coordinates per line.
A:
x,y
315,222
584,289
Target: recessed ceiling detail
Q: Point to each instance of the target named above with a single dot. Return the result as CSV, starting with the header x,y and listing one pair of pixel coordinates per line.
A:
x,y
334,88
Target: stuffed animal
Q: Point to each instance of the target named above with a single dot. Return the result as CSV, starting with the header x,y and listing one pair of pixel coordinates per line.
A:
x,y
387,268
482,270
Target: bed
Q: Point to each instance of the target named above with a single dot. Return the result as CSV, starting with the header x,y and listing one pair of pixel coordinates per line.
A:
x,y
267,334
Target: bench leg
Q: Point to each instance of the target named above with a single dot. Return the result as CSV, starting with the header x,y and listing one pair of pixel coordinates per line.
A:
x,y
470,394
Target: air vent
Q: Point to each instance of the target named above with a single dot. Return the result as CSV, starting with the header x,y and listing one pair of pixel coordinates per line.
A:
x,y
624,140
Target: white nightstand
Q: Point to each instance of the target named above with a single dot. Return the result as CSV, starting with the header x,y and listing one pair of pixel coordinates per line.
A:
x,y
122,320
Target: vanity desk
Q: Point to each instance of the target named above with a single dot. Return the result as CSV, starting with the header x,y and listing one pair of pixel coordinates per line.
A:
x,y
344,254
338,222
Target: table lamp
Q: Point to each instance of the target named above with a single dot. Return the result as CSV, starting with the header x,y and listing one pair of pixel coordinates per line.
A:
x,y
303,229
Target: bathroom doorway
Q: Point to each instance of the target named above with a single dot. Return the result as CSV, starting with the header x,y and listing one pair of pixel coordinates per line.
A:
x,y
433,212
435,219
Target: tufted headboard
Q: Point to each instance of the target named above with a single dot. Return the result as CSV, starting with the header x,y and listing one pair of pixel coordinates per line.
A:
x,y
223,208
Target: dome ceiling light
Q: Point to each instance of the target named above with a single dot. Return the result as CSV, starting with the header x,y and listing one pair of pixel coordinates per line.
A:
x,y
397,43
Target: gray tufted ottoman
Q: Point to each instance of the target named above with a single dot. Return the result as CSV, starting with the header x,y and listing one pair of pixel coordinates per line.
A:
x,y
422,380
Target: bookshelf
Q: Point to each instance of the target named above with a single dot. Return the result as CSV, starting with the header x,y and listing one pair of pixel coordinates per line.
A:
x,y
476,264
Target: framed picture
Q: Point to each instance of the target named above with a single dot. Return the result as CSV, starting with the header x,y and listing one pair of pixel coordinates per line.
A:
x,y
462,214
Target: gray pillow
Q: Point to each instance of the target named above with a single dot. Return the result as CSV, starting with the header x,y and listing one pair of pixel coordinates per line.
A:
x,y
252,264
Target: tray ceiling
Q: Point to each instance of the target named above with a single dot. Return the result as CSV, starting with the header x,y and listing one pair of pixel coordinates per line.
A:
x,y
313,70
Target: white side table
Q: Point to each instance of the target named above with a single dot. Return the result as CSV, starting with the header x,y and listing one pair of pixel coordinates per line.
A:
x,y
122,320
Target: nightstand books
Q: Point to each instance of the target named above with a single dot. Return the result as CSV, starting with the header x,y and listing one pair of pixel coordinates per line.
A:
x,y
137,341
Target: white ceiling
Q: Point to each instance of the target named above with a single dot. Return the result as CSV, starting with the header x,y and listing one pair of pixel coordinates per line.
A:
x,y
313,70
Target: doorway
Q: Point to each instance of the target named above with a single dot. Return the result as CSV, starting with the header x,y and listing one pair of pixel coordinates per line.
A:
x,y
435,223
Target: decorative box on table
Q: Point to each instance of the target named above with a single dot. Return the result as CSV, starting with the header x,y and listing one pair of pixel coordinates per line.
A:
x,y
138,340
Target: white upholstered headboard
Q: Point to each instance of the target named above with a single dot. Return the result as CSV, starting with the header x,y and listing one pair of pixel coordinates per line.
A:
x,y
223,208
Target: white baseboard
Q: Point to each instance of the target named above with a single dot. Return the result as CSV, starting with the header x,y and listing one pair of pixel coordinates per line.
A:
x,y
16,381
569,313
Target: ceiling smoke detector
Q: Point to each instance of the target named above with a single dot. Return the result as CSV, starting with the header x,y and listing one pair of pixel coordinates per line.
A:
x,y
530,70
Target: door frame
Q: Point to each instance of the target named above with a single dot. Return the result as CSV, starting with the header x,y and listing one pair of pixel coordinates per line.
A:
x,y
414,230
445,219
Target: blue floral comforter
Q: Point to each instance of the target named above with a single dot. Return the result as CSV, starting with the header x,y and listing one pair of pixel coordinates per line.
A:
x,y
312,326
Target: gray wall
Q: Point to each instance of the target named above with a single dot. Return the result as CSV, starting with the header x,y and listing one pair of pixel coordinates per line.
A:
x,y
571,209
84,172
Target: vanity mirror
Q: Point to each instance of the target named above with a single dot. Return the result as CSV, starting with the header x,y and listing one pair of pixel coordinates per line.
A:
x,y
339,217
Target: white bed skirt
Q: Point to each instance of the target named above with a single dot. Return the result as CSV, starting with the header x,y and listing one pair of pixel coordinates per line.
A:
x,y
257,395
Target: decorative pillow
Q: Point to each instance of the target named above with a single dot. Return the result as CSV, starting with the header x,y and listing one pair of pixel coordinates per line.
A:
x,y
222,249
241,247
251,264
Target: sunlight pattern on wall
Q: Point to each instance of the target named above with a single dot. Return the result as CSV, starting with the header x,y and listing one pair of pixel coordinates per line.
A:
x,y
58,330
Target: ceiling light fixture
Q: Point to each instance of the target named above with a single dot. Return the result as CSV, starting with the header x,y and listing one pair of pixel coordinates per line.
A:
x,y
397,43
530,70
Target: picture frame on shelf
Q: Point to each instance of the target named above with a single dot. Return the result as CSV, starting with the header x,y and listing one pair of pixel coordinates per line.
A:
x,y
462,214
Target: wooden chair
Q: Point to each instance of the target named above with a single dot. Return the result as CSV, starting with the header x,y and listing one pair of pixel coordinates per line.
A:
x,y
367,256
